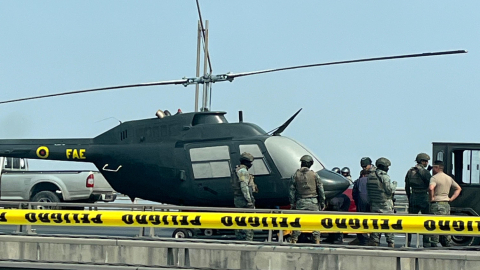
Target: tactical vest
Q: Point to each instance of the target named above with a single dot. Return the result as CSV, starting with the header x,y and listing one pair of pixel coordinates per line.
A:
x,y
415,179
237,191
376,189
305,183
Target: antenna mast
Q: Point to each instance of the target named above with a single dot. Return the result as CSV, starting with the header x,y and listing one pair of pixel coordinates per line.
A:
x,y
206,95
206,86
207,74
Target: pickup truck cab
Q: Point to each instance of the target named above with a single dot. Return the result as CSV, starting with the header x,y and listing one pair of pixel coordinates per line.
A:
x,y
18,183
462,163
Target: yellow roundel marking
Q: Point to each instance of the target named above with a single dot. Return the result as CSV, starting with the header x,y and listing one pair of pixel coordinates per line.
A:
x,y
42,152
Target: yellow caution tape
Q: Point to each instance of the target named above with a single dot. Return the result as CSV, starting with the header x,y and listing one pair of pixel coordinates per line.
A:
x,y
306,222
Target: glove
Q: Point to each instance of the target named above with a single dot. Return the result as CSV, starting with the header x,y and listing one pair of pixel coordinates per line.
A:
x,y
250,205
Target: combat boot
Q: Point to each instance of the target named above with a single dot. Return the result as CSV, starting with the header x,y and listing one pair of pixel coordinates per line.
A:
x,y
391,245
317,241
293,241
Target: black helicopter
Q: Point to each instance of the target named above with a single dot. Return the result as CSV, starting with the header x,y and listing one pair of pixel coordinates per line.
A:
x,y
188,158
183,159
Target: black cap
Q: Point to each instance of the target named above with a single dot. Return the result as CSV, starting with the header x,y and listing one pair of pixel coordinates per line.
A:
x,y
365,161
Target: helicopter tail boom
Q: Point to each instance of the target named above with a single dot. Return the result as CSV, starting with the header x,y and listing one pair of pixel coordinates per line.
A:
x,y
56,149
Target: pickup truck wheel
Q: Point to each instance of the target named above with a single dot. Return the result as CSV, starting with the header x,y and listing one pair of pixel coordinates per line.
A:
x,y
182,233
46,196
461,240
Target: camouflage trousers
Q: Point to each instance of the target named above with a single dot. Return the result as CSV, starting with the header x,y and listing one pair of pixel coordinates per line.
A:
x,y
386,207
306,204
419,202
440,208
247,235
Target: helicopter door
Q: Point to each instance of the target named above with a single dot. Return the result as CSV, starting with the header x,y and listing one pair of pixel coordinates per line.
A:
x,y
211,171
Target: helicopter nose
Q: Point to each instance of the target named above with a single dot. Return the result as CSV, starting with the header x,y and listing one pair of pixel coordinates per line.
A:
x,y
333,183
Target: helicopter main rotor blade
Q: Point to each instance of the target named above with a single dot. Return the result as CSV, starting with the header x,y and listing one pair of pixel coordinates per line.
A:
x,y
182,81
231,76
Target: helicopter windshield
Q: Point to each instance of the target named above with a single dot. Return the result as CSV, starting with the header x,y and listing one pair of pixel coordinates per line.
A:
x,y
286,154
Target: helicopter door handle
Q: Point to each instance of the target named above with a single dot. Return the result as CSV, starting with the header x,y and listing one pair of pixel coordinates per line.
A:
x,y
110,170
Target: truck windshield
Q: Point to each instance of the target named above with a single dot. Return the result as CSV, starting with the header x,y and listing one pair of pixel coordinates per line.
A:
x,y
286,154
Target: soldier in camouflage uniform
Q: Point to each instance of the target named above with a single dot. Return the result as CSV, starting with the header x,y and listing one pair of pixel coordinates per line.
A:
x,y
306,193
416,188
243,188
380,191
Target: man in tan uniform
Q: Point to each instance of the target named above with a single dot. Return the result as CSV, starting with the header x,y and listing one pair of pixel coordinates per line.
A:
x,y
439,188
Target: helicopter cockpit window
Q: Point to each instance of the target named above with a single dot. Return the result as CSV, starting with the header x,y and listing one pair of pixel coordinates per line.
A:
x,y
286,154
210,162
259,167
209,119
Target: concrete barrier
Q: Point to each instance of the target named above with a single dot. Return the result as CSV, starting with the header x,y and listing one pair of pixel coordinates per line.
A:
x,y
214,254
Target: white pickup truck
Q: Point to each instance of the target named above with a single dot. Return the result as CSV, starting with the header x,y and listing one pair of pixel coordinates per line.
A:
x,y
17,183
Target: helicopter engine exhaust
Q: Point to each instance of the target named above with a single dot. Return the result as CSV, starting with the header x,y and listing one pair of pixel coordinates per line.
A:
x,y
160,114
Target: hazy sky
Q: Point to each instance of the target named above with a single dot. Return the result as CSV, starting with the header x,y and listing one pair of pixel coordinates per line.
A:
x,y
394,109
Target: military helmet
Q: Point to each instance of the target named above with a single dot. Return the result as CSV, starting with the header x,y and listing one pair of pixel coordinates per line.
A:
x,y
422,156
383,162
336,170
246,157
365,161
346,170
307,158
